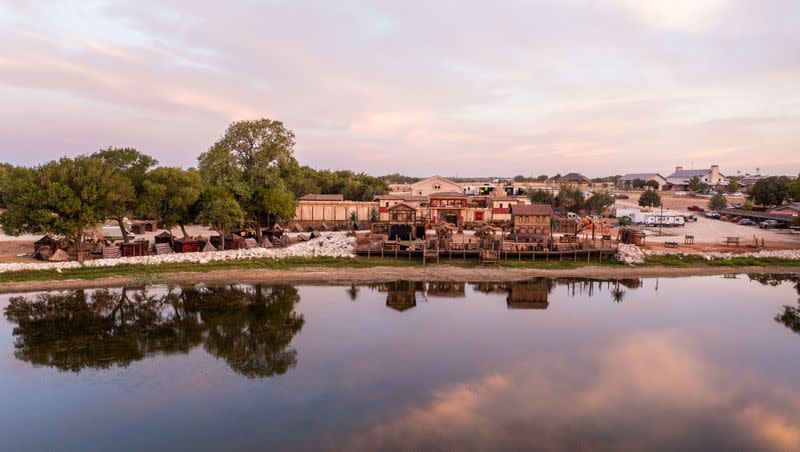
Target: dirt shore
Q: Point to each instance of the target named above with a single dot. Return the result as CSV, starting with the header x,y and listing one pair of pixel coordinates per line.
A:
x,y
341,276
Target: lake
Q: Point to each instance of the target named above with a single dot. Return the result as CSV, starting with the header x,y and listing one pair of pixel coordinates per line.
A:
x,y
693,363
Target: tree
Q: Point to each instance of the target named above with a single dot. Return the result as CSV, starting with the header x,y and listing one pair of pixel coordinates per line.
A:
x,y
541,178
170,194
733,185
5,170
130,162
770,191
569,198
276,201
218,208
250,156
133,165
652,184
539,196
638,183
64,197
717,202
650,199
696,185
599,202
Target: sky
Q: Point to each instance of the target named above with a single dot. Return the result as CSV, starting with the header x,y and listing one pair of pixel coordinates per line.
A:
x,y
458,88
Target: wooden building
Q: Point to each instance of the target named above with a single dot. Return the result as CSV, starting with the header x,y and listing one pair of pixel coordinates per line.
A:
x,y
448,207
532,219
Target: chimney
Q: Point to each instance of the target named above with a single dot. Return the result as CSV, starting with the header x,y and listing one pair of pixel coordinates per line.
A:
x,y
714,174
678,168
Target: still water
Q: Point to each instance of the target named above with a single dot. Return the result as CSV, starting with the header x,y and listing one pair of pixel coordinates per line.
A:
x,y
698,363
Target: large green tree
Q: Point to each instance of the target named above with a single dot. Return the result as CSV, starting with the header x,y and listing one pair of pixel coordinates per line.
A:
x,y
650,199
771,191
64,197
599,202
218,208
717,202
170,194
250,156
134,166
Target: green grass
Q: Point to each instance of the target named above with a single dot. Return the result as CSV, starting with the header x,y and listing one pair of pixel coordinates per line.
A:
x,y
676,261
149,274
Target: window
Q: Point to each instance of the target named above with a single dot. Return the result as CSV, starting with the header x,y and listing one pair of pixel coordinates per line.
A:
x,y
501,205
387,204
436,186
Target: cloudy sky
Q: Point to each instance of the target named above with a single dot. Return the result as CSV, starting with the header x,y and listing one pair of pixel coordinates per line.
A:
x,y
418,87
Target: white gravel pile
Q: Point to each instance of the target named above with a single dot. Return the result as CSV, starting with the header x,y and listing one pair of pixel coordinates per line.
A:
x,y
713,255
332,244
630,254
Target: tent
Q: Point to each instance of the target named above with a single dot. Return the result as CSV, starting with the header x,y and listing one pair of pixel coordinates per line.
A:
x,y
59,256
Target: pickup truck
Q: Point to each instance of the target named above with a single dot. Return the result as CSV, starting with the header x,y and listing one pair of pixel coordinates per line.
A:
x,y
712,214
766,224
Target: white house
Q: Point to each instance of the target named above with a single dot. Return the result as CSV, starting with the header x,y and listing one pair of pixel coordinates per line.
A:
x,y
679,180
434,184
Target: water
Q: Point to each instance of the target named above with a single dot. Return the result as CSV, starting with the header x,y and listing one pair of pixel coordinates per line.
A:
x,y
701,363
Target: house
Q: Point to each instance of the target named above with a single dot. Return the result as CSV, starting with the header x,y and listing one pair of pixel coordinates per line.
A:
x,y
501,207
448,207
679,180
750,179
575,180
386,202
532,219
791,209
626,181
433,185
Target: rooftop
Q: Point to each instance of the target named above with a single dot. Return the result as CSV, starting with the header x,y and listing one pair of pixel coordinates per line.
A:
x,y
641,176
318,197
532,209
448,194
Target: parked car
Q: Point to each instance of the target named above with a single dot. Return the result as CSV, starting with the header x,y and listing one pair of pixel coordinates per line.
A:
x,y
735,206
694,208
736,195
735,219
746,222
766,224
620,196
712,214
689,217
680,193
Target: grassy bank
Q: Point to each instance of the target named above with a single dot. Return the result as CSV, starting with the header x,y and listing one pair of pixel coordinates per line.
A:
x,y
148,274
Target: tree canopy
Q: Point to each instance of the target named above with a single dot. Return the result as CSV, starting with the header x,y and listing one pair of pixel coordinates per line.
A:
x,y
170,195
599,202
64,197
697,185
717,202
650,199
771,191
218,208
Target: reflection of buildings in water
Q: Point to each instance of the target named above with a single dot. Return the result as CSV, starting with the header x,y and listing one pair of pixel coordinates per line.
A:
x,y
249,327
529,294
446,289
400,295
489,287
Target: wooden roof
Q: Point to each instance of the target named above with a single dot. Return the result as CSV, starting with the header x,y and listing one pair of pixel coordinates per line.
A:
x,y
322,197
447,194
532,209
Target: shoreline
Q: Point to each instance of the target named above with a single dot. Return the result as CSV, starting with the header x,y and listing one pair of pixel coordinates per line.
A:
x,y
312,275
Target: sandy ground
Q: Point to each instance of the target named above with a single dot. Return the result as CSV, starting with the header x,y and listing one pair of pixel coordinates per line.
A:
x,y
710,234
343,276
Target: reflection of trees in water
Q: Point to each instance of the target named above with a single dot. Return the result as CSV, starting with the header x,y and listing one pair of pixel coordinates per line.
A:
x,y
250,327
790,316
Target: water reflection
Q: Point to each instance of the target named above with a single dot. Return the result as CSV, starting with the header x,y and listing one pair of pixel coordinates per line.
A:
x,y
532,294
791,314
249,327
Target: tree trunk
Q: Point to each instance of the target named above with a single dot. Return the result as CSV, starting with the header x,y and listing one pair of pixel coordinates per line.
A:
x,y
122,229
183,229
258,229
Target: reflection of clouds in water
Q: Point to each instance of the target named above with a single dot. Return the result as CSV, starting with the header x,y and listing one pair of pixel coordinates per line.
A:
x,y
654,387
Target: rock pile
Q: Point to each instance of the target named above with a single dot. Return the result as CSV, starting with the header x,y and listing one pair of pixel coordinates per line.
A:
x,y
332,244
630,254
713,255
